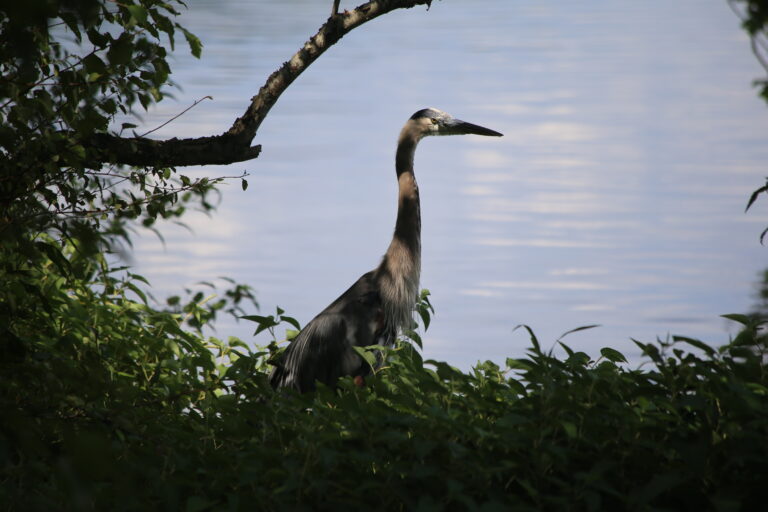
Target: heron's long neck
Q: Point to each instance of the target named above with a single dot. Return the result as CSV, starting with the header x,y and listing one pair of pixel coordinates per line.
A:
x,y
408,225
401,267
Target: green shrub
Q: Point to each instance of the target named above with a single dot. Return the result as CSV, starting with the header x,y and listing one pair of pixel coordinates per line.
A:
x,y
156,420
109,401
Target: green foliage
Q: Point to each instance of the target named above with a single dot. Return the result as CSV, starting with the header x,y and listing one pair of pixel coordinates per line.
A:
x,y
165,419
109,401
87,360
754,18
69,69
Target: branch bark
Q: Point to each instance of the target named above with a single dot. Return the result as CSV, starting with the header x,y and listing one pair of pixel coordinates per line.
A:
x,y
234,145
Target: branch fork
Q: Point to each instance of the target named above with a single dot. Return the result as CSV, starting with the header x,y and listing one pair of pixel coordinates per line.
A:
x,y
234,145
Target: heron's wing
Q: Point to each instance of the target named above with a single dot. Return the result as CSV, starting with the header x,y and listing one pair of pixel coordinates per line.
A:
x,y
323,349
321,352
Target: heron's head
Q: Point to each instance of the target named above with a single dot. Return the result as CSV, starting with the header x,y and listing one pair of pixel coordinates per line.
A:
x,y
431,121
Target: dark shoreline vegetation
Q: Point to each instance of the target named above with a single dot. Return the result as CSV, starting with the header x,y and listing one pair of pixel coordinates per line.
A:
x,y
134,413
110,400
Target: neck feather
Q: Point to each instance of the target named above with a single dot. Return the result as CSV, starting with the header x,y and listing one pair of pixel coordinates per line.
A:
x,y
401,267
408,225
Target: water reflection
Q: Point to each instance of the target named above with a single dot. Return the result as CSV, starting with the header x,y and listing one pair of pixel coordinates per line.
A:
x,y
615,198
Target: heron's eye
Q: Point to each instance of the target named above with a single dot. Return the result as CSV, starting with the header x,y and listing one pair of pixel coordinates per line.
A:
x,y
434,121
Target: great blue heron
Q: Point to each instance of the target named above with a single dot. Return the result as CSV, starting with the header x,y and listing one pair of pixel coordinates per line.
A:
x,y
382,301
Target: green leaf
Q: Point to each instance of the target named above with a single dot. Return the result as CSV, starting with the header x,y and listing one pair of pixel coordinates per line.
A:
x,y
264,322
642,495
745,338
93,64
424,314
72,24
121,50
444,370
570,429
649,350
367,356
135,289
742,319
195,46
518,364
55,255
97,38
291,321
696,343
138,13
198,504
567,349
613,355
754,196
414,336
78,150
534,339
577,329
578,359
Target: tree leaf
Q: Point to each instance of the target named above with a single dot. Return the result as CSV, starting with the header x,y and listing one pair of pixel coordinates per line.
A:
x,y
613,355
291,321
577,329
367,356
138,13
754,196
264,322
195,46
696,343
534,340
736,317
135,289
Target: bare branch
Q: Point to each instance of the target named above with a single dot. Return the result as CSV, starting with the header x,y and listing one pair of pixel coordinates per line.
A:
x,y
218,149
196,103
235,144
329,34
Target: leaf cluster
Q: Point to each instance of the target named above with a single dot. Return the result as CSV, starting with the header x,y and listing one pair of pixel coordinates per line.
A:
x,y
109,401
140,414
754,20
70,69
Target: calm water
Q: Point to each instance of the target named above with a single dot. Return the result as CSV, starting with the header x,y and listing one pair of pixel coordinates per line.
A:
x,y
632,142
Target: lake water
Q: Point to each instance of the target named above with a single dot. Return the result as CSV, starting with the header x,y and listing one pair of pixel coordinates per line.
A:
x,y
633,139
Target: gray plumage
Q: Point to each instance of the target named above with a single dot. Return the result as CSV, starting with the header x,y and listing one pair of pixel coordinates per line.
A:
x,y
379,304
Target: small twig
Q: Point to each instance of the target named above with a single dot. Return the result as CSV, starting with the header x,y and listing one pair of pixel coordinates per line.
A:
x,y
42,80
754,39
732,5
756,51
196,103
202,303
165,191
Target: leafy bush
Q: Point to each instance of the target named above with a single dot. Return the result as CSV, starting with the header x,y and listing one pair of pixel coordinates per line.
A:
x,y
109,401
157,421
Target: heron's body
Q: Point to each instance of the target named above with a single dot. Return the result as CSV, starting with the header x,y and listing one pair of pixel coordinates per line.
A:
x,y
381,302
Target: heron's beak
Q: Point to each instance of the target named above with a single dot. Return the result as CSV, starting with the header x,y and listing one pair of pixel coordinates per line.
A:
x,y
459,127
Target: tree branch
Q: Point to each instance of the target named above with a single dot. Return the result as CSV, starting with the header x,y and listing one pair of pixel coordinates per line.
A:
x,y
235,144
